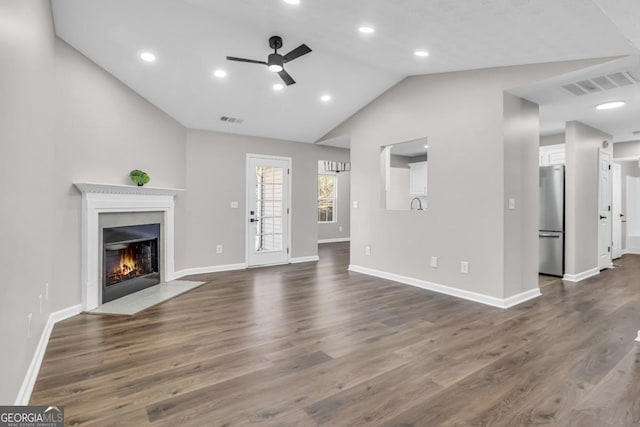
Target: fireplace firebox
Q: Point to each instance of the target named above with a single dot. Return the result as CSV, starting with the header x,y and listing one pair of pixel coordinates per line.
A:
x,y
130,259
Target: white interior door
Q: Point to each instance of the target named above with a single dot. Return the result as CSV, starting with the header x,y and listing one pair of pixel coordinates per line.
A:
x,y
267,210
616,209
604,209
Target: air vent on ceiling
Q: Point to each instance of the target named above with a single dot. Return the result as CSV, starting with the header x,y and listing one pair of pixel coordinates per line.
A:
x,y
231,120
598,84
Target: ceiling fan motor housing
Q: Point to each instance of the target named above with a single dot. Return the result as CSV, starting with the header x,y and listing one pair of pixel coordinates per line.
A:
x,y
275,42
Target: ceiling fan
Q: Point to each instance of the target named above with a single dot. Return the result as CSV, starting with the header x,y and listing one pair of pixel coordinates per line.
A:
x,y
275,61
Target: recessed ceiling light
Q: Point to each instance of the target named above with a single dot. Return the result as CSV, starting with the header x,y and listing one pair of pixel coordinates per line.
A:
x,y
147,57
278,86
426,146
220,73
366,30
421,53
292,1
610,105
325,98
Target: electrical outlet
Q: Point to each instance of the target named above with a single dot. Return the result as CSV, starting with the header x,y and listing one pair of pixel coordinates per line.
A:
x,y
355,203
234,205
434,262
29,317
340,229
46,291
464,267
219,249
367,250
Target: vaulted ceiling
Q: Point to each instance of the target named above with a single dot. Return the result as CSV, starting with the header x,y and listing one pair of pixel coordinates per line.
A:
x,y
191,39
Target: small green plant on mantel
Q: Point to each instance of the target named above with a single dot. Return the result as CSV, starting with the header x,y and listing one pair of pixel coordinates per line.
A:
x,y
139,177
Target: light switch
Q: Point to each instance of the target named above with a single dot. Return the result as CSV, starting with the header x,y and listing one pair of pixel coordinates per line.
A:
x,y
234,205
512,203
434,262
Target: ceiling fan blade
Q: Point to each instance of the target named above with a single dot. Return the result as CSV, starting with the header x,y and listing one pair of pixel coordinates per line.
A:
x,y
303,49
252,61
286,78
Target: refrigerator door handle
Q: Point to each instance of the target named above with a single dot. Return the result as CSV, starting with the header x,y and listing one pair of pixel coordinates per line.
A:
x,y
552,236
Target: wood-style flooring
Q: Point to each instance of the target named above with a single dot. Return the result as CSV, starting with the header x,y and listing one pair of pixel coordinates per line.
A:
x,y
313,344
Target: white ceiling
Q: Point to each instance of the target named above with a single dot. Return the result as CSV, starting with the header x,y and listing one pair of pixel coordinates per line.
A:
x,y
191,38
558,106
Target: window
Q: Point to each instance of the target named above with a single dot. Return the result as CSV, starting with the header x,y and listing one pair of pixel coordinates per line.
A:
x,y
327,198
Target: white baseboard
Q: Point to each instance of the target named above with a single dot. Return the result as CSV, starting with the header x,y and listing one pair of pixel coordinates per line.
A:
x,y
581,276
304,259
638,338
24,395
631,251
459,293
211,269
336,240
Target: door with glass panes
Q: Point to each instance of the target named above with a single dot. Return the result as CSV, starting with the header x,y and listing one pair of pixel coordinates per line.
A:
x,y
267,210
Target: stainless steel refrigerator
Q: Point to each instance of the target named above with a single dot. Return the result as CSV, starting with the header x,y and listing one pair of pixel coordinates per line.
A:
x,y
551,225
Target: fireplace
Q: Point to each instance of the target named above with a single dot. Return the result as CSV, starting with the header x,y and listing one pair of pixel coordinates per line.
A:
x,y
130,259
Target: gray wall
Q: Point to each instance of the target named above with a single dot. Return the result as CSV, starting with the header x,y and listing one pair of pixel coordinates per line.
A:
x,y
554,139
626,149
62,119
581,196
521,139
332,230
26,172
216,177
462,115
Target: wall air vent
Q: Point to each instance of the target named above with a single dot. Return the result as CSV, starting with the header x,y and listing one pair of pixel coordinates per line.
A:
x,y
602,83
228,119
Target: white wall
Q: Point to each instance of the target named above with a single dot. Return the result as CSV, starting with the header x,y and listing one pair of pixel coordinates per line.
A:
x,y
462,115
581,196
331,231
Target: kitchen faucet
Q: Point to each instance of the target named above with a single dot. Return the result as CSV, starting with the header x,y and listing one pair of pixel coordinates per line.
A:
x,y
419,203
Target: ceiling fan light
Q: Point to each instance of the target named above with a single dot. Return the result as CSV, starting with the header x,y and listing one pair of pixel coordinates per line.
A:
x,y
275,63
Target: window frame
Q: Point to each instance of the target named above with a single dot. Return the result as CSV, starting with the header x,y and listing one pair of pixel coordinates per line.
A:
x,y
334,198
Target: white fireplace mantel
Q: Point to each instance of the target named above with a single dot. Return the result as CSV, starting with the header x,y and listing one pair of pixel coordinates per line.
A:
x,y
109,198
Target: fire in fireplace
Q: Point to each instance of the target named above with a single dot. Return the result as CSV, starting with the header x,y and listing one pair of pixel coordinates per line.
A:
x,y
130,260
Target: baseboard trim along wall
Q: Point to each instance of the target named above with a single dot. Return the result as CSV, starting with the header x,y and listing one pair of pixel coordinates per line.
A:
x,y
24,395
336,240
581,276
638,338
304,259
447,290
210,269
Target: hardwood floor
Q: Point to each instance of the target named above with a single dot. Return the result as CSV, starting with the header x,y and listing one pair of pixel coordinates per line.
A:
x,y
313,344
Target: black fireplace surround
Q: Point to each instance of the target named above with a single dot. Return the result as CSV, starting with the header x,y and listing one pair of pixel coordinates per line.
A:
x,y
130,259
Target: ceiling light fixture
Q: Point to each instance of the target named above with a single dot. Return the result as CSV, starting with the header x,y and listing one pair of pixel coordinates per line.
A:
x,y
610,105
220,74
147,57
426,146
278,86
366,30
421,53
292,1
337,167
325,98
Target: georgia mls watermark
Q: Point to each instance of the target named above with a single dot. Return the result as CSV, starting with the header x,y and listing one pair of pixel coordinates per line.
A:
x,y
31,416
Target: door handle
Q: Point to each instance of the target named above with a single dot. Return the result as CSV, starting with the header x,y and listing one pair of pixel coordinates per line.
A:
x,y
603,217
552,236
254,220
